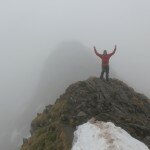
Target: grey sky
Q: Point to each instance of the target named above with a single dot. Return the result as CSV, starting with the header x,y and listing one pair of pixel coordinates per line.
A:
x,y
31,29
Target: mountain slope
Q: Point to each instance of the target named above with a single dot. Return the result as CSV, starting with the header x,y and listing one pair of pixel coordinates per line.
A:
x,y
110,101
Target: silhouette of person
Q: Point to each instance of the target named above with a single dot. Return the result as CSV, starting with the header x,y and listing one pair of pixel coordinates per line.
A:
x,y
105,61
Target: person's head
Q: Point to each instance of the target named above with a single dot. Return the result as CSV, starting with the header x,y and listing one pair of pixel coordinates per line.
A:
x,y
104,52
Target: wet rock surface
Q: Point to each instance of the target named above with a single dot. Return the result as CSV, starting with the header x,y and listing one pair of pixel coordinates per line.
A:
x,y
105,101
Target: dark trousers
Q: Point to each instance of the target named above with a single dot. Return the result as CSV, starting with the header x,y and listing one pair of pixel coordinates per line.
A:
x,y
105,69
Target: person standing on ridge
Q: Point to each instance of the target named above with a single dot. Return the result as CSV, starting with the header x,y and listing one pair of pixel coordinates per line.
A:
x,y
105,61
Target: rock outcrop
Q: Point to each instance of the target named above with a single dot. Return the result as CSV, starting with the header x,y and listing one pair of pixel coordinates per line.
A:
x,y
105,101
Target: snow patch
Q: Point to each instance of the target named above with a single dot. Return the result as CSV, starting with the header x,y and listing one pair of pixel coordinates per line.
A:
x,y
104,136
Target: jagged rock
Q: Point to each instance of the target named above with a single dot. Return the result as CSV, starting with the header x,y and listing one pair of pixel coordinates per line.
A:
x,y
81,114
25,140
92,120
105,101
147,140
64,117
38,114
47,108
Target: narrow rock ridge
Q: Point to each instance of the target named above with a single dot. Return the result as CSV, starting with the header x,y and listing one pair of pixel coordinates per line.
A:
x,y
112,101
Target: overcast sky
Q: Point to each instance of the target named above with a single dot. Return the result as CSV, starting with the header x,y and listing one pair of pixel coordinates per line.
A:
x,y
31,29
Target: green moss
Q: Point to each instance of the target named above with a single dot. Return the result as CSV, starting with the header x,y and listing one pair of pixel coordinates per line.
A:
x,y
58,108
49,135
74,122
52,136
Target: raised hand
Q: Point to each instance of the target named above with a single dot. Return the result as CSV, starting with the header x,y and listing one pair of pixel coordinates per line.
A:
x,y
94,47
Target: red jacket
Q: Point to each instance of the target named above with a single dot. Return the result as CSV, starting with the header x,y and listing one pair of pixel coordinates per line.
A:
x,y
105,58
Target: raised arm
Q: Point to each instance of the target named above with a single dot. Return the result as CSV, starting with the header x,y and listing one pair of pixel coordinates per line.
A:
x,y
113,51
100,55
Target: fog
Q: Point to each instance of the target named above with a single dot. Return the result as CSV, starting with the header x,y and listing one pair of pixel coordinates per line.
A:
x,y
42,43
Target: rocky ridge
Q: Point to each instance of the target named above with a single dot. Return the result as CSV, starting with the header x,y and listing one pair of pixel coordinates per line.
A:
x,y
112,101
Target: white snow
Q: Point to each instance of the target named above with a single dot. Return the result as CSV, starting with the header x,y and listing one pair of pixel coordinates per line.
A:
x,y
104,136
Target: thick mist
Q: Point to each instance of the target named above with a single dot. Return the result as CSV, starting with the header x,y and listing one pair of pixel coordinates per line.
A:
x,y
46,45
